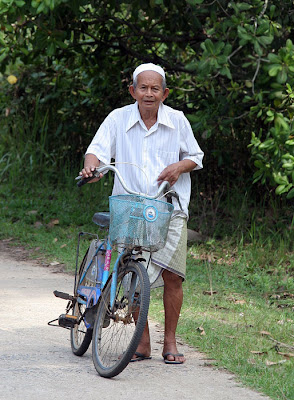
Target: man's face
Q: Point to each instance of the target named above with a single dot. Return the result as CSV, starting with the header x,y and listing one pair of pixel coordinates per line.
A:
x,y
149,92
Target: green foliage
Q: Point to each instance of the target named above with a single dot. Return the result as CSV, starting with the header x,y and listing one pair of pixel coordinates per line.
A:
x,y
230,68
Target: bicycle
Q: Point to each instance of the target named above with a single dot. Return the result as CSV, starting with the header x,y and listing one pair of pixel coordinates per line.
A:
x,y
111,309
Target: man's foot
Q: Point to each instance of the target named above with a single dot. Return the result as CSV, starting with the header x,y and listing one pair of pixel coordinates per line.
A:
x,y
173,358
171,355
140,357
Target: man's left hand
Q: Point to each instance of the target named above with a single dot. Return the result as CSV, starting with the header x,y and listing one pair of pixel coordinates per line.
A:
x,y
173,171
170,174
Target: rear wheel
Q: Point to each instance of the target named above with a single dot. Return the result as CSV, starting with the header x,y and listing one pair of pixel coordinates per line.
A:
x,y
117,331
80,336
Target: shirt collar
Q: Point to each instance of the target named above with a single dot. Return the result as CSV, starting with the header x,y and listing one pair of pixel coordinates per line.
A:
x,y
162,117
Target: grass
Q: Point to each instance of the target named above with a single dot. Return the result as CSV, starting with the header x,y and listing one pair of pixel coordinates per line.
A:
x,y
239,292
241,317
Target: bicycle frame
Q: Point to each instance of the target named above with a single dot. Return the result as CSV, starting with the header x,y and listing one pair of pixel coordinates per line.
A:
x,y
93,293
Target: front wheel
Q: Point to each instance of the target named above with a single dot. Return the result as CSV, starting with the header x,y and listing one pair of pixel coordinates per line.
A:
x,y
118,330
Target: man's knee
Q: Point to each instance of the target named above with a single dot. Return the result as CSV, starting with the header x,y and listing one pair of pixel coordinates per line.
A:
x,y
172,279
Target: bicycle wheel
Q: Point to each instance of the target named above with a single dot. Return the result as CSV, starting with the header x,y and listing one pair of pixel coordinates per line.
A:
x,y
80,336
117,332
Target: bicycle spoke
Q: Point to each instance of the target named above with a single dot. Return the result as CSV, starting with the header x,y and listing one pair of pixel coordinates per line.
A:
x,y
114,344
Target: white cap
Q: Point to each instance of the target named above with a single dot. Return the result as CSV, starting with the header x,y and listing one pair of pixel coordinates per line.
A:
x,y
148,67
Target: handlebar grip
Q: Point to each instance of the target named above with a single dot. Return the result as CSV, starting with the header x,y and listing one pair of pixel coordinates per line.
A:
x,y
85,180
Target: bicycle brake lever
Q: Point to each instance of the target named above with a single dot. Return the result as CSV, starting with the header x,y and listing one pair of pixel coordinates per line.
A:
x,y
172,193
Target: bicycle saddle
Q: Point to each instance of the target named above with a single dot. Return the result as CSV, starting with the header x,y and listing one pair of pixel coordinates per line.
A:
x,y
102,219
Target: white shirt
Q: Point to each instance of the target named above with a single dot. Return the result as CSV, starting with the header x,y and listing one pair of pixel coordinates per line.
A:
x,y
124,137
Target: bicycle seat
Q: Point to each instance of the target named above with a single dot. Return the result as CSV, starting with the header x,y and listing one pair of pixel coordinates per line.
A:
x,y
102,219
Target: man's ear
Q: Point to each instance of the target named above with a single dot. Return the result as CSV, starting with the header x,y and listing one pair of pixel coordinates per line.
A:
x,y
165,94
132,91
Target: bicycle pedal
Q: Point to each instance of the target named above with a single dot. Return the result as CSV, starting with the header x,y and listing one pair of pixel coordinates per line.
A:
x,y
63,295
67,320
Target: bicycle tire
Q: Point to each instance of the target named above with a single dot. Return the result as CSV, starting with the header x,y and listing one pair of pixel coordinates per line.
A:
x,y
116,335
80,336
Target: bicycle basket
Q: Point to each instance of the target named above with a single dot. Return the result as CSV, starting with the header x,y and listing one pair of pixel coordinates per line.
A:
x,y
136,221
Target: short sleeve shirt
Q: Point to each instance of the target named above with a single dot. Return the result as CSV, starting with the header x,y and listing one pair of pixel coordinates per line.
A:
x,y
141,154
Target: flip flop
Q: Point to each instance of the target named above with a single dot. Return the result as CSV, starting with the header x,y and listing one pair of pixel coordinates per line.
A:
x,y
165,355
140,357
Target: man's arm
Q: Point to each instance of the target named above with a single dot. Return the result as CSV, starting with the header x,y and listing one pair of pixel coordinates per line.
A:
x,y
173,171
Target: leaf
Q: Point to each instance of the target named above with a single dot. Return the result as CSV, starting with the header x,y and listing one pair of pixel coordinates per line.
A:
x,y
280,189
265,40
280,179
290,195
240,302
265,333
257,48
53,222
270,363
209,292
286,355
282,76
244,6
274,58
192,66
274,69
51,49
201,330
32,212
194,2
243,34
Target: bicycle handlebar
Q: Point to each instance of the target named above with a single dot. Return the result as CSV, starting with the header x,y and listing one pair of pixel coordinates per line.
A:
x,y
163,187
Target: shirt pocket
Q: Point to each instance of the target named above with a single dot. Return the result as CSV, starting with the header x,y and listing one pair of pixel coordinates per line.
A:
x,y
165,158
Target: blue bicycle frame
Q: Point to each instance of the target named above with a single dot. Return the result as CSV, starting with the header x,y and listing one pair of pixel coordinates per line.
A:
x,y
88,295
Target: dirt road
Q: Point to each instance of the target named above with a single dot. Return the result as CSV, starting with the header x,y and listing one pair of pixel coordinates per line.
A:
x,y
36,360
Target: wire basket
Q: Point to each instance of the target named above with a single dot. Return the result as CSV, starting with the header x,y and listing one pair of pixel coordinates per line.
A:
x,y
136,221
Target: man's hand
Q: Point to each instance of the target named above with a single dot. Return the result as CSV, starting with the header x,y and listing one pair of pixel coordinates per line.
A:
x,y
170,174
173,171
91,163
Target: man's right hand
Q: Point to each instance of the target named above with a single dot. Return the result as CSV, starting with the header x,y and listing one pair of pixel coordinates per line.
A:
x,y
87,172
90,165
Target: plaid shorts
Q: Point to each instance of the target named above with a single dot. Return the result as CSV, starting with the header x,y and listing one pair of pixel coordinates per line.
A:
x,y
172,257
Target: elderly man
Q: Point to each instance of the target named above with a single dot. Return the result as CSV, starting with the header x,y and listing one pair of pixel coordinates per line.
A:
x,y
160,140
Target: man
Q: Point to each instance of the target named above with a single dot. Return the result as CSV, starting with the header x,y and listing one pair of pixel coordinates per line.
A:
x,y
160,140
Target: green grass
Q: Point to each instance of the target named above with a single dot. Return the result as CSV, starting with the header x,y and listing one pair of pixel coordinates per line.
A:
x,y
248,312
239,292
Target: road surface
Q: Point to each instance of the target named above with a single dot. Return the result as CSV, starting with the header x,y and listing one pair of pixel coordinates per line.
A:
x,y
36,361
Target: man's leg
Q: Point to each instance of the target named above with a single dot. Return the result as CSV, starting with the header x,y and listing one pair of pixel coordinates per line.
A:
x,y
144,346
172,300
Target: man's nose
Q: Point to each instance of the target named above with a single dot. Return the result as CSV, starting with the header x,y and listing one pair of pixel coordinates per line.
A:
x,y
149,92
